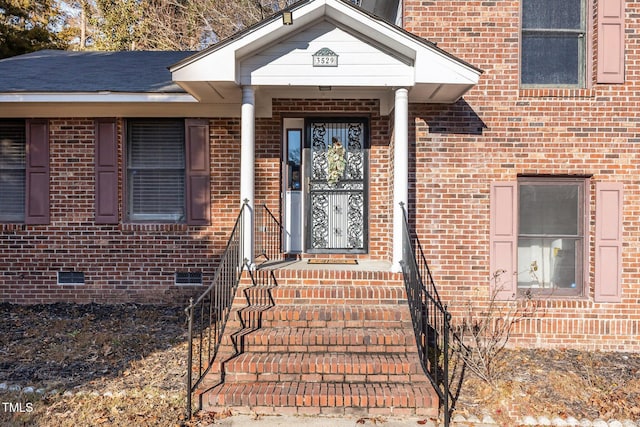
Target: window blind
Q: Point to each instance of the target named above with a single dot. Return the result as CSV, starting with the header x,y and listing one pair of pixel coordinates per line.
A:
x,y
156,170
12,170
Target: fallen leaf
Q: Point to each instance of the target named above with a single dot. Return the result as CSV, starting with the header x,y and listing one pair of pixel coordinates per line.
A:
x,y
106,350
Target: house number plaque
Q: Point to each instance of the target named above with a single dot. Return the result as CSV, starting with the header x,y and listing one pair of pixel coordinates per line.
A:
x,y
325,57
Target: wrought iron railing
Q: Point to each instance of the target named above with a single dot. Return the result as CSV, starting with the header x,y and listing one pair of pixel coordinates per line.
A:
x,y
208,315
431,320
268,235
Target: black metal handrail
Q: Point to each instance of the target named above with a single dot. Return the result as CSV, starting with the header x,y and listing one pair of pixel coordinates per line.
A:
x,y
431,320
268,235
208,315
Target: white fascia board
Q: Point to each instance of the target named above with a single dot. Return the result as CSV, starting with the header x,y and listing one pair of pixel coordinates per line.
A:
x,y
96,97
378,31
95,110
433,66
275,31
220,64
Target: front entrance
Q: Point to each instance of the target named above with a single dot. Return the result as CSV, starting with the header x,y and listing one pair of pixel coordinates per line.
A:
x,y
327,211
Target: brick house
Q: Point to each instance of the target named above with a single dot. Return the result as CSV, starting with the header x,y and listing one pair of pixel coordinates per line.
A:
x,y
507,129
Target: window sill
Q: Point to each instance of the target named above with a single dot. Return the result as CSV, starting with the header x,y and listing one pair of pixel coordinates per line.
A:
x,y
12,226
153,227
555,300
556,93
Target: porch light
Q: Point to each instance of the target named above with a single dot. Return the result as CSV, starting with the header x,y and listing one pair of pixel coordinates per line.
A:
x,y
287,18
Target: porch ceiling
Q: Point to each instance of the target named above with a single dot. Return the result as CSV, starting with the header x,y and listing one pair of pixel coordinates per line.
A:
x,y
373,58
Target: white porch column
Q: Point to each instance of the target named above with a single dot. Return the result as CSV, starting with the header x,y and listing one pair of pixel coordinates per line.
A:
x,y
400,171
247,168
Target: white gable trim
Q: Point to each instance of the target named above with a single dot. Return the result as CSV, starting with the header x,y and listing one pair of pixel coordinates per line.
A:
x,y
259,57
359,62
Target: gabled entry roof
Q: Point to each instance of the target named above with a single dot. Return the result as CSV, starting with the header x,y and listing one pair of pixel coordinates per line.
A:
x,y
371,56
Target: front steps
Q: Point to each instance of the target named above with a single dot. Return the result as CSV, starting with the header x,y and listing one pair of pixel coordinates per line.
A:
x,y
320,342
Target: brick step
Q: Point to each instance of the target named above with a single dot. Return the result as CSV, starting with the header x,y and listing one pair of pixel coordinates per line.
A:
x,y
323,316
354,340
339,294
332,287
324,398
327,276
324,367
320,341
323,295
256,295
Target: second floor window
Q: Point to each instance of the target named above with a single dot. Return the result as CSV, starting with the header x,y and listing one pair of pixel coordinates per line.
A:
x,y
553,43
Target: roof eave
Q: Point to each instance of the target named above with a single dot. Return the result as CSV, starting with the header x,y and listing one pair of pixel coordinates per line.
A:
x,y
96,97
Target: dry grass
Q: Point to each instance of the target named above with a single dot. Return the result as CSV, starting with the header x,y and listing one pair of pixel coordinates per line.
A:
x,y
557,383
125,365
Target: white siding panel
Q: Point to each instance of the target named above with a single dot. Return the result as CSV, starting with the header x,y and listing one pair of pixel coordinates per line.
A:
x,y
359,63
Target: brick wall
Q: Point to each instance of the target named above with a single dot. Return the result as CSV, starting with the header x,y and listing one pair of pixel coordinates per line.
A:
x,y
124,262
137,262
499,131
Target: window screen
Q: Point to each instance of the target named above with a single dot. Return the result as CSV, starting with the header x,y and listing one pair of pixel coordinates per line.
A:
x,y
156,170
553,42
12,170
550,235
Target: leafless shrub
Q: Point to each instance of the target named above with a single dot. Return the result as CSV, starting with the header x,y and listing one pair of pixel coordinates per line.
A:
x,y
485,327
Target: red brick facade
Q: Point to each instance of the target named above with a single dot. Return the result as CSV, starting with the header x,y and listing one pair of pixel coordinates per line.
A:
x,y
137,261
497,132
501,131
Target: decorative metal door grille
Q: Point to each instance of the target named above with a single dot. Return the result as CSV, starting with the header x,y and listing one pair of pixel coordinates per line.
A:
x,y
337,193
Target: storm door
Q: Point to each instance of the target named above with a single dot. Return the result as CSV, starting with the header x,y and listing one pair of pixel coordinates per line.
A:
x,y
336,169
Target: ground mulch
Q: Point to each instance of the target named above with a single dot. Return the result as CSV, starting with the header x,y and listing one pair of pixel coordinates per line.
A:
x,y
113,365
556,383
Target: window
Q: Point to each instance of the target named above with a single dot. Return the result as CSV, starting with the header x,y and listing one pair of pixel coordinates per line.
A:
x,y
553,43
551,216
12,170
156,170
537,238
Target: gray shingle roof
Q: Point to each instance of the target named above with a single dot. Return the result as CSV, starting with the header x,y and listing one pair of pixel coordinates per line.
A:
x,y
66,71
